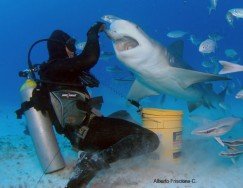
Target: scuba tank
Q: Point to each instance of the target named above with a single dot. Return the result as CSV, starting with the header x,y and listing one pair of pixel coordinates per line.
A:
x,y
42,133
38,123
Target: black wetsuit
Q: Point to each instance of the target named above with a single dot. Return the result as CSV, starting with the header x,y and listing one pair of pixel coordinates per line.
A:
x,y
115,138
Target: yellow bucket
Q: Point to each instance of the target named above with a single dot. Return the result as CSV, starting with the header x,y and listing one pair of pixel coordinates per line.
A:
x,y
167,125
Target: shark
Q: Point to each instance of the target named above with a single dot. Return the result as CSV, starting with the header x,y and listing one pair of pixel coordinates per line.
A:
x,y
215,128
157,69
232,154
232,144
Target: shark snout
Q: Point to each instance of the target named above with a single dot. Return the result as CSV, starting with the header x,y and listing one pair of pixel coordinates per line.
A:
x,y
110,18
112,34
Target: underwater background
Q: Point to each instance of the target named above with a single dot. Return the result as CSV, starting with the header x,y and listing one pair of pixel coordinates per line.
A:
x,y
24,22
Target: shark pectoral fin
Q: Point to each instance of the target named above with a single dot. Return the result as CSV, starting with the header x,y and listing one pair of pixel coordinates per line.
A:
x,y
218,139
139,91
186,78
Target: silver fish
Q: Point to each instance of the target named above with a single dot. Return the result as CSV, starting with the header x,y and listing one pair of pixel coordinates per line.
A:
x,y
237,12
229,18
176,34
213,5
208,46
239,95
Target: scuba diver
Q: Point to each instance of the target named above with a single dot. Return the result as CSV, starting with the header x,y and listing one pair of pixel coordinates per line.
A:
x,y
100,140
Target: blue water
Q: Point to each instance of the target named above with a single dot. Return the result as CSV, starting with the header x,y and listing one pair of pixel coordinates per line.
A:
x,y
24,22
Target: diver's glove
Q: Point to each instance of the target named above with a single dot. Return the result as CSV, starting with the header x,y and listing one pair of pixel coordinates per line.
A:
x,y
40,99
96,28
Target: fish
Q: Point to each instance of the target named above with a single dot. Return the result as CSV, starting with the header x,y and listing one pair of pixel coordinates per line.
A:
x,y
239,95
230,18
231,53
213,5
194,40
229,67
207,46
216,128
159,70
232,154
237,12
176,34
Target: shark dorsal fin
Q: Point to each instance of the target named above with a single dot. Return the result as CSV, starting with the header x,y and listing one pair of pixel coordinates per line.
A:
x,y
176,49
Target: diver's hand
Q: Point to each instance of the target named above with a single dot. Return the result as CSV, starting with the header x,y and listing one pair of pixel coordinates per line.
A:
x,y
96,28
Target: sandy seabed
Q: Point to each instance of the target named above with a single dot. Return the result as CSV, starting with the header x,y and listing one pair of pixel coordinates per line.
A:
x,y
200,164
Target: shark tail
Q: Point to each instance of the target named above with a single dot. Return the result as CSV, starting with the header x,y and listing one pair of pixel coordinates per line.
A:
x,y
230,67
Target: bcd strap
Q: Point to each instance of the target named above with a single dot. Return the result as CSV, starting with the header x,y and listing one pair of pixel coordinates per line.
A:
x,y
96,100
38,100
24,107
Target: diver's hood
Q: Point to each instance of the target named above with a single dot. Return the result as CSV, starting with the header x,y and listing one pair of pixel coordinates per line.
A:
x,y
57,50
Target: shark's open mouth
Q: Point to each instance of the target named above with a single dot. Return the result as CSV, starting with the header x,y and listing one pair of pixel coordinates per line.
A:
x,y
125,43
